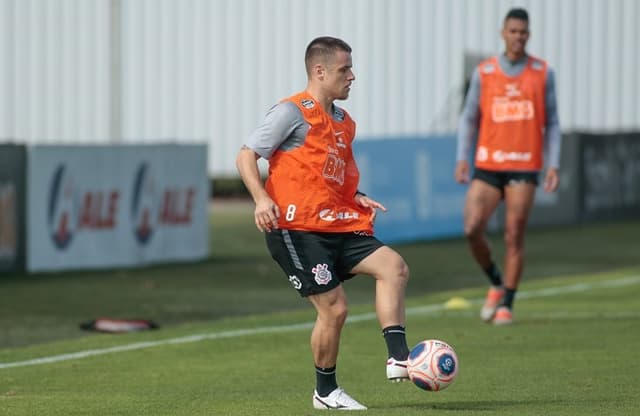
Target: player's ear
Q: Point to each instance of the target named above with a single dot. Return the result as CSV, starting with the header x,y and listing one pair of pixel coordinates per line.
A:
x,y
319,71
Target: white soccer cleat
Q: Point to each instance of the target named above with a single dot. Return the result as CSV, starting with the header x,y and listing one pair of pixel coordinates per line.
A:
x,y
397,370
494,296
338,400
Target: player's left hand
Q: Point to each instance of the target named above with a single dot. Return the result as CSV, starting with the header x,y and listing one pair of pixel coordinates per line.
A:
x,y
551,180
365,201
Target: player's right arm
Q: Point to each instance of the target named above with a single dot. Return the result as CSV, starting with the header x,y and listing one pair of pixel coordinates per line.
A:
x,y
467,128
266,213
279,124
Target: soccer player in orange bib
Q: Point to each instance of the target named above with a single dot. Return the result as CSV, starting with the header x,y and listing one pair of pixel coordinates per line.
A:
x,y
511,106
318,226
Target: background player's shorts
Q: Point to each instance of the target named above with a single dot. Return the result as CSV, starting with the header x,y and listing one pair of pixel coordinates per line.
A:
x,y
317,262
500,179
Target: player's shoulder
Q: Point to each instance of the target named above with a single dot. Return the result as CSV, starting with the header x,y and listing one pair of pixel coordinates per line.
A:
x,y
537,64
488,66
285,109
301,100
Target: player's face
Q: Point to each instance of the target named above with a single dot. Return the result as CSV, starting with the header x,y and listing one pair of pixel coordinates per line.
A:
x,y
339,76
515,34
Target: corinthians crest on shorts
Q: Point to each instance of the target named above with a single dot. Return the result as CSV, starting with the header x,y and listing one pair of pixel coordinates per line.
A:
x,y
322,275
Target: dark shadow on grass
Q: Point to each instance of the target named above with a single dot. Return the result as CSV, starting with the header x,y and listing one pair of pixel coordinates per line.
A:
x,y
471,406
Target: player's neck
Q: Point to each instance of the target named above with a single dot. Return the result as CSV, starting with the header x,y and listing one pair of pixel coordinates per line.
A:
x,y
513,56
325,102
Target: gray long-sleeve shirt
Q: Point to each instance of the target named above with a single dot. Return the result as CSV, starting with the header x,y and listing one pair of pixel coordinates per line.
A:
x,y
470,119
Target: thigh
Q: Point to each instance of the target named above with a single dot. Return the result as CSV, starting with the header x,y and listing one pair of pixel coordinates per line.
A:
x,y
381,263
481,201
355,248
518,200
520,177
307,259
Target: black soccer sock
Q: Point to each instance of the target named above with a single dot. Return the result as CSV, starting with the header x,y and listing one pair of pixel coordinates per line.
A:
x,y
396,340
326,380
507,299
494,275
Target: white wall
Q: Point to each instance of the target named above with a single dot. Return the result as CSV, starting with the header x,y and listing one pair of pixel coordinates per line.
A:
x,y
54,70
121,71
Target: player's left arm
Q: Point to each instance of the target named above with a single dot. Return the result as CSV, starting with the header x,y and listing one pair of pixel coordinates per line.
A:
x,y
364,201
552,133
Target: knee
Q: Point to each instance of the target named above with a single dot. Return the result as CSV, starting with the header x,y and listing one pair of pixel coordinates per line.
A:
x,y
473,229
400,270
339,312
513,239
331,307
393,270
403,271
335,312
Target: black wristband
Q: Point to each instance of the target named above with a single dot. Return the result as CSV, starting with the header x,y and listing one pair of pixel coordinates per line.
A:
x,y
360,193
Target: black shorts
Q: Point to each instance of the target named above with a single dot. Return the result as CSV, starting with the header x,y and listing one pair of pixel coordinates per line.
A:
x,y
317,262
500,179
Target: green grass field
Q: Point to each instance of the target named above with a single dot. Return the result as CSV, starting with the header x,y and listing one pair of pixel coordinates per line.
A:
x,y
235,338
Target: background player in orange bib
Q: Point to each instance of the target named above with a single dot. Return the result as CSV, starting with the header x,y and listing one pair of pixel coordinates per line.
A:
x,y
511,105
318,226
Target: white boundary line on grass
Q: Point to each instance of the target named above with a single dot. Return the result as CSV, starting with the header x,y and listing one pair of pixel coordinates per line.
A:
x,y
536,293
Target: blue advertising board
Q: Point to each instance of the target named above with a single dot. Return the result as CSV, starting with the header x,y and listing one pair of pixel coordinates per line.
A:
x,y
413,178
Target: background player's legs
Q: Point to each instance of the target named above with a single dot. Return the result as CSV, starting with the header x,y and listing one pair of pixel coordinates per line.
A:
x,y
518,199
482,200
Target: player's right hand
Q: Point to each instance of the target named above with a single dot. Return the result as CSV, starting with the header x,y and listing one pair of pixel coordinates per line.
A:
x,y
462,172
266,214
